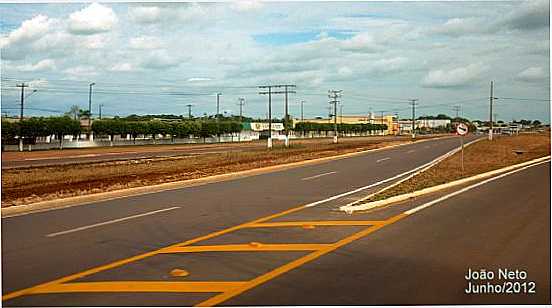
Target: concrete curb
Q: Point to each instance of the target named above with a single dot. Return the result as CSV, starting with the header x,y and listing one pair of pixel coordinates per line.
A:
x,y
18,210
431,164
425,191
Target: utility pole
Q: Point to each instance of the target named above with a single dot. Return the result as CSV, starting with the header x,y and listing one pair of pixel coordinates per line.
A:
x,y
413,103
302,118
241,103
100,111
286,115
341,113
491,113
270,92
398,123
90,108
456,109
217,115
334,95
22,86
382,123
189,110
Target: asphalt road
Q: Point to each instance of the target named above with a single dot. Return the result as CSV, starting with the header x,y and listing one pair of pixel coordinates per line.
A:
x,y
41,247
11,160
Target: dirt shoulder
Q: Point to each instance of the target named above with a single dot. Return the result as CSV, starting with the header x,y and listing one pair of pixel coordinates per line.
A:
x,y
483,156
30,185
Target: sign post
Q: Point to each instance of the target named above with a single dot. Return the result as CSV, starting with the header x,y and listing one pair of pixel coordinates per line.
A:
x,y
461,130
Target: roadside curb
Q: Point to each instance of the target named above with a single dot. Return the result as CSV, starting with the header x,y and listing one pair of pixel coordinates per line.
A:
x,y
370,205
431,164
18,210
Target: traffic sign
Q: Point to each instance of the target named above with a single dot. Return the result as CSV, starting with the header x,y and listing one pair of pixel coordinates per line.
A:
x,y
462,129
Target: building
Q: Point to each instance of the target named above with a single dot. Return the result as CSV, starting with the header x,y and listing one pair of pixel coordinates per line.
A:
x,y
405,126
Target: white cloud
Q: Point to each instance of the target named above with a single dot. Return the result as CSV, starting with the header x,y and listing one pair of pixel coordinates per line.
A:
x,y
160,59
29,31
146,14
122,67
198,79
145,42
43,65
246,5
362,42
532,74
38,83
81,71
460,26
94,18
457,77
529,15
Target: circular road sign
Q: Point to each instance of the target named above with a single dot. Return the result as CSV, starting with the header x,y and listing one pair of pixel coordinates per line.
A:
x,y
462,129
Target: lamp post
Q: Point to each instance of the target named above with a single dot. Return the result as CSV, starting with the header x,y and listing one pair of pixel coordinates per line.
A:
x,y
90,108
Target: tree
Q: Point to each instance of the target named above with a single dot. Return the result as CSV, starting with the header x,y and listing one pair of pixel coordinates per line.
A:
x,y
109,127
74,112
9,132
33,128
536,123
135,129
61,126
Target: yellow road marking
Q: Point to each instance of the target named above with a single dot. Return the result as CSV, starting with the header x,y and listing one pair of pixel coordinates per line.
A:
x,y
316,223
217,299
247,247
143,256
140,286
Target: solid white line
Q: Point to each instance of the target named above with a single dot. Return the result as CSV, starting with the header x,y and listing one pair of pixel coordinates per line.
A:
x,y
428,204
383,159
317,176
110,222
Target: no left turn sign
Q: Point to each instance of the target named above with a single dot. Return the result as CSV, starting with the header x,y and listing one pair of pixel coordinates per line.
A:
x,y
462,129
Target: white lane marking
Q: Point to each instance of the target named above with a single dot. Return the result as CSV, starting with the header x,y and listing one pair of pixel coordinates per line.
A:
x,y
383,159
437,159
317,176
445,197
411,151
110,222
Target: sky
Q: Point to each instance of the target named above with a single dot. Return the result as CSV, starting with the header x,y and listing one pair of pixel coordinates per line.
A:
x,y
157,58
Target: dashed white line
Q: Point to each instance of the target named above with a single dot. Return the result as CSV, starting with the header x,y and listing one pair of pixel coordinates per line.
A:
x,y
317,176
383,159
411,151
110,222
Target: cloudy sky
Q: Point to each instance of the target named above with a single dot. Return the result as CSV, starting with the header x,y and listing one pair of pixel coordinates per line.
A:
x,y
159,57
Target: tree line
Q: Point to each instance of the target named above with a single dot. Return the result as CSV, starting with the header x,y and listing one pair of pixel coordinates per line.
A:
x,y
342,128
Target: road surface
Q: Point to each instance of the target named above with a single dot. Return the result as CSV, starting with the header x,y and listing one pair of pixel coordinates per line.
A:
x,y
293,255
12,160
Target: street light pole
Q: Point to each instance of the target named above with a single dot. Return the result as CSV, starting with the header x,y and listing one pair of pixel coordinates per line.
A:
x,y
90,108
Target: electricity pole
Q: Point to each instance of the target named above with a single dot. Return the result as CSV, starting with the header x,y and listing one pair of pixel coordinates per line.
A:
x,y
286,115
90,107
334,95
100,111
189,110
413,103
456,109
341,113
22,86
217,115
382,123
270,92
491,113
241,103
302,118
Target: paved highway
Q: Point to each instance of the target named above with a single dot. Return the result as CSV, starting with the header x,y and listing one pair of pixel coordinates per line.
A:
x,y
12,160
309,255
